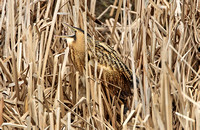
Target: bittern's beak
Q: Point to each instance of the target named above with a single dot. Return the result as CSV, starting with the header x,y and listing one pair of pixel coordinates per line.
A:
x,y
69,26
70,38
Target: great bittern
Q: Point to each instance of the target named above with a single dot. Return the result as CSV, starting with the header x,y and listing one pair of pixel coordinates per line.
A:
x,y
115,72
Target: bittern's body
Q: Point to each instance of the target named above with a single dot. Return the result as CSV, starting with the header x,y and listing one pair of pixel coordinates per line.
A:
x,y
115,73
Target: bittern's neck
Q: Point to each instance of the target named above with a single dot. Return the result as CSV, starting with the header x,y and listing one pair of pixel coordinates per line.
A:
x,y
79,45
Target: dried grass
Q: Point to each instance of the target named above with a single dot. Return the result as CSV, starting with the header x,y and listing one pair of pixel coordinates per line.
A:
x,y
158,40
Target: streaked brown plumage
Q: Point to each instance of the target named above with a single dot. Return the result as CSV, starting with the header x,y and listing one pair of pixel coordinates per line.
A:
x,y
114,70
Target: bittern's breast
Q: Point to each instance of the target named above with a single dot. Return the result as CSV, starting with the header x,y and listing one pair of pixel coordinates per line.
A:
x,y
78,60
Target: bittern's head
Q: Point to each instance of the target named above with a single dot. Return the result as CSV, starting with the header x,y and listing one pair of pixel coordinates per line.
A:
x,y
77,38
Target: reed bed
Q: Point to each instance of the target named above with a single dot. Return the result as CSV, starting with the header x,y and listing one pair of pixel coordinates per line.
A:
x,y
158,39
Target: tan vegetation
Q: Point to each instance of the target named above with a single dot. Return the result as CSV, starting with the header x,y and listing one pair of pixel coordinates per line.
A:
x,y
158,39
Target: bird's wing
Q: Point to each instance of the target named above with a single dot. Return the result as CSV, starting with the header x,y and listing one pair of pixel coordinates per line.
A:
x,y
109,58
